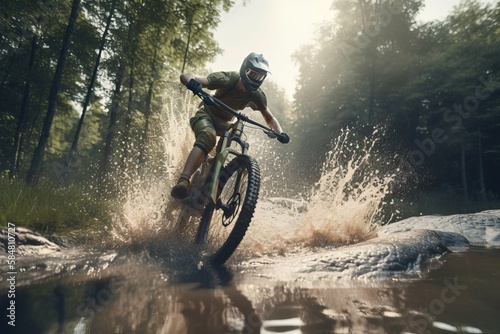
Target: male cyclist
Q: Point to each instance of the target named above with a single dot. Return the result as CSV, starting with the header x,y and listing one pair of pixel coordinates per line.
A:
x,y
237,90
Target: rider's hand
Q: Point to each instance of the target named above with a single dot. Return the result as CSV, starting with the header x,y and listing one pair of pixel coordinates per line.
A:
x,y
283,138
194,86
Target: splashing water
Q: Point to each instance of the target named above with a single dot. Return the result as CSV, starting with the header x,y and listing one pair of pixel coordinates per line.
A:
x,y
348,199
344,205
148,211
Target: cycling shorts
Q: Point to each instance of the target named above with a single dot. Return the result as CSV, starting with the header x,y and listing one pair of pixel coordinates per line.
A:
x,y
206,128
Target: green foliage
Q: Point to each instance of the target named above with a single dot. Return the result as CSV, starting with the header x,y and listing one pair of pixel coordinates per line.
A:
x,y
49,207
147,46
437,86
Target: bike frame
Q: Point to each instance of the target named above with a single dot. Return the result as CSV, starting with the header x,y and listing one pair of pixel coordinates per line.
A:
x,y
233,134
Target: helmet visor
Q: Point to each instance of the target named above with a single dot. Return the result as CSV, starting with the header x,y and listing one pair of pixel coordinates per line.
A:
x,y
254,75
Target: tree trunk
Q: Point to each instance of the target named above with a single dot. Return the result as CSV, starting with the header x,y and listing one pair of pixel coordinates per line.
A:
x,y
371,83
128,118
128,115
110,133
147,112
370,56
21,123
40,150
186,51
482,183
90,89
465,188
38,111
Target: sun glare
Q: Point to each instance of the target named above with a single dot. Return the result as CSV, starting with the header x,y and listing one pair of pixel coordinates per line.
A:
x,y
275,28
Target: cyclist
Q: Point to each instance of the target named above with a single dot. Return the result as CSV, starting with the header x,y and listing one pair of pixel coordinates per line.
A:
x,y
237,90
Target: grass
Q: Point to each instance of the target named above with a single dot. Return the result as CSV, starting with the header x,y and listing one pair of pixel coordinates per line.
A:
x,y
49,207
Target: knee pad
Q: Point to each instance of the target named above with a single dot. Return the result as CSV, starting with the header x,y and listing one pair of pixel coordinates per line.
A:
x,y
205,134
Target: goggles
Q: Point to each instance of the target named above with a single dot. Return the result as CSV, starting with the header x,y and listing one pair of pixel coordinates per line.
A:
x,y
254,75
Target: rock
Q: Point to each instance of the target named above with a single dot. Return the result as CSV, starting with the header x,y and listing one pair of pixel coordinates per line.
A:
x,y
27,242
404,253
402,248
480,229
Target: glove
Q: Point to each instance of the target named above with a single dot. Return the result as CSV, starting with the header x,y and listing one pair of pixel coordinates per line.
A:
x,y
194,86
283,138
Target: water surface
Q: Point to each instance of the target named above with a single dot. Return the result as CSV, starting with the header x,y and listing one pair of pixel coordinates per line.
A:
x,y
460,292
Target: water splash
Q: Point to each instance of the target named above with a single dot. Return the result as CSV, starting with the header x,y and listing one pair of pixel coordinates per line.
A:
x,y
344,206
148,212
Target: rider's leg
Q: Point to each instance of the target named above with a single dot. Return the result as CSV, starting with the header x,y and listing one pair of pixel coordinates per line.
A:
x,y
193,162
205,141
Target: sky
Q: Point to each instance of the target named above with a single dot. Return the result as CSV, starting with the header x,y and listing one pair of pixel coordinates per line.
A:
x,y
277,28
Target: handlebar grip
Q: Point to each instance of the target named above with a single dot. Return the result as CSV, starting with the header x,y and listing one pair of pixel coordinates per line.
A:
x,y
283,138
194,86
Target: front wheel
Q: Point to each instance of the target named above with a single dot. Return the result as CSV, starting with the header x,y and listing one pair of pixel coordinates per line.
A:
x,y
224,224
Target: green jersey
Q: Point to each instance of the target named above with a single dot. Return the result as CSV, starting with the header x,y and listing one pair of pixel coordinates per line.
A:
x,y
223,84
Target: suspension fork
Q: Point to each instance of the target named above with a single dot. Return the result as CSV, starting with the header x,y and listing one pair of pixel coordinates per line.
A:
x,y
233,134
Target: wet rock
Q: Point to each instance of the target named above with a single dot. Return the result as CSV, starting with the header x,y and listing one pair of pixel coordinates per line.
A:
x,y
401,249
390,255
404,253
27,242
480,229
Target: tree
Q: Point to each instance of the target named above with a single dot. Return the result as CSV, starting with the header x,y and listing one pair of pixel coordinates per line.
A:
x,y
90,88
39,152
354,72
21,123
145,52
460,78
435,85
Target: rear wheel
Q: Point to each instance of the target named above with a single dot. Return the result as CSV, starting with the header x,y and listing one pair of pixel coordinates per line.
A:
x,y
224,224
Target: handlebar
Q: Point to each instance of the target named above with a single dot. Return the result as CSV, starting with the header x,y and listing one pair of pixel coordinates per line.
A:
x,y
211,100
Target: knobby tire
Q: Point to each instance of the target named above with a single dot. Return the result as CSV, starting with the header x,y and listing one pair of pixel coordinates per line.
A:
x,y
210,226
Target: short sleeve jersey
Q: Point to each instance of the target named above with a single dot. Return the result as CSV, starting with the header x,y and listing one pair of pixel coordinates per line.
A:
x,y
224,82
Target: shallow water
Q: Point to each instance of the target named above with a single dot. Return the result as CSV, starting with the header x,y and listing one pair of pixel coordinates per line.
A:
x,y
140,294
149,281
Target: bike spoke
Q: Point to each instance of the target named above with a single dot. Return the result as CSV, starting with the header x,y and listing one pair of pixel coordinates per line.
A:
x,y
231,197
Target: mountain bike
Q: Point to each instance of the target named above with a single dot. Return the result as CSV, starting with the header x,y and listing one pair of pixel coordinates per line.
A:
x,y
230,191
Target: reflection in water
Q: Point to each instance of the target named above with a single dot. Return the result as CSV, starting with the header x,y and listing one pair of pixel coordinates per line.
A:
x,y
144,297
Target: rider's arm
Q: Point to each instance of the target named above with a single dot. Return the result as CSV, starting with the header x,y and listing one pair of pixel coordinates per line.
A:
x,y
271,121
185,77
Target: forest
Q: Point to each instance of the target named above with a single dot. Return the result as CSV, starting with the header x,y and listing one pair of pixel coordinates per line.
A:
x,y
433,86
83,86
